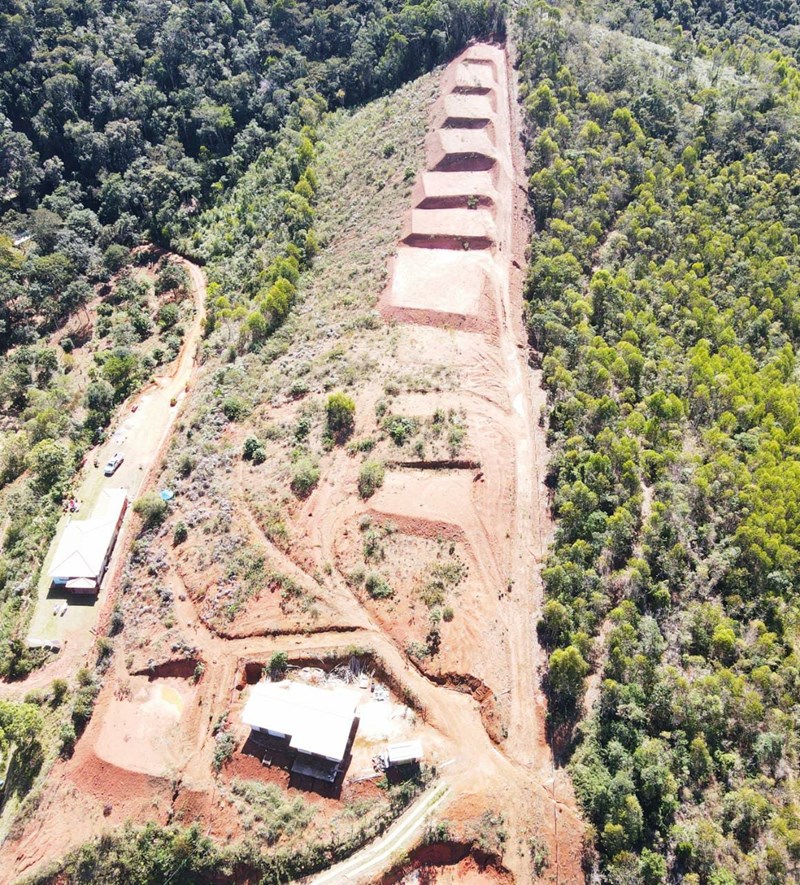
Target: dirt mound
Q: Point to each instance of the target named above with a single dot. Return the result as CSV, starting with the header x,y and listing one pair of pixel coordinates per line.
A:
x,y
457,861
180,668
113,784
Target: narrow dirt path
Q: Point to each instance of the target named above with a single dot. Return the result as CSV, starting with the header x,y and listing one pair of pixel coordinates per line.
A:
x,y
382,851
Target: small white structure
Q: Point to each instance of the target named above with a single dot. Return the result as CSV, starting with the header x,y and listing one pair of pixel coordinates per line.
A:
x,y
403,754
315,721
82,555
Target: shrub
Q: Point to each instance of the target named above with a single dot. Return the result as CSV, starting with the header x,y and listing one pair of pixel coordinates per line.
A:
x,y
234,408
66,738
370,478
49,461
377,587
305,477
250,448
185,466
171,277
567,670
180,533
84,705
116,257
117,622
278,662
58,690
168,315
151,509
400,428
99,400
340,410
223,751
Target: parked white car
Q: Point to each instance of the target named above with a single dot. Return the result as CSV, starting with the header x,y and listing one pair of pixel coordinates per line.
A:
x,y
113,464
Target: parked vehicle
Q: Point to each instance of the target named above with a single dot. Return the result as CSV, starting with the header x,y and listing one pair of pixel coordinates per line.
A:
x,y
113,464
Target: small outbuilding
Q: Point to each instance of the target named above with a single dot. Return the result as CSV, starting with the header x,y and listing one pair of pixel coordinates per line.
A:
x,y
85,548
407,753
316,723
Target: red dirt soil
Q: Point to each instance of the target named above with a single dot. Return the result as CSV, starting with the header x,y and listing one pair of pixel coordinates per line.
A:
x,y
448,862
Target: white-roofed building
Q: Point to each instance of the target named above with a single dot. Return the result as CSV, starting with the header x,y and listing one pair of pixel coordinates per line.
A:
x,y
82,555
404,753
315,721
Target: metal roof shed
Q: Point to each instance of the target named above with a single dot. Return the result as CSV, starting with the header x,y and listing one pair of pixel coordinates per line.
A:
x,y
403,754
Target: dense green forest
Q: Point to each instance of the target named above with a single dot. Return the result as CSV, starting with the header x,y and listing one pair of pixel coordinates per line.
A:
x,y
121,121
663,297
709,23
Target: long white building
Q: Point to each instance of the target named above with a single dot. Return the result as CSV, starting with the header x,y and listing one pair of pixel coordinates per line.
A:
x,y
82,555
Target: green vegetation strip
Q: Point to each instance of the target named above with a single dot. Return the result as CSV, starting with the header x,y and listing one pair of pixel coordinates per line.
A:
x,y
662,296
184,855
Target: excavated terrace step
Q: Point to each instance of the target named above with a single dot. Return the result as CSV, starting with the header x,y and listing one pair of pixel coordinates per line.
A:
x,y
482,54
461,150
468,111
443,190
458,229
475,78
441,280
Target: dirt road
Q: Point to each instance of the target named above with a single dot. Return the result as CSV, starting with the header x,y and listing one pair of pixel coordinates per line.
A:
x,y
141,431
379,854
